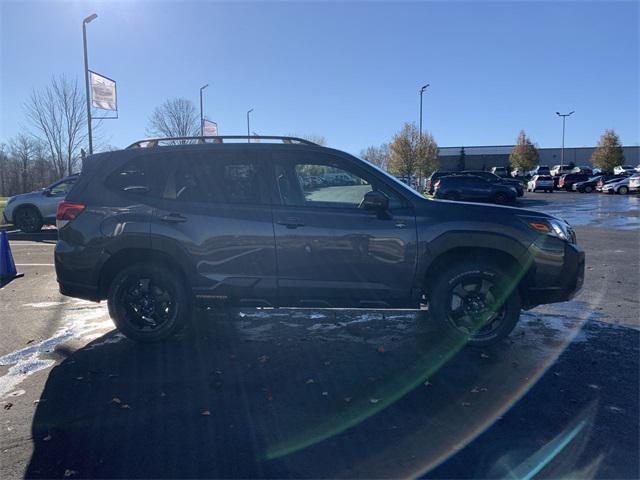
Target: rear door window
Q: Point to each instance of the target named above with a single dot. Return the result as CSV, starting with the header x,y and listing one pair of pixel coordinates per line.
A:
x,y
140,176
232,177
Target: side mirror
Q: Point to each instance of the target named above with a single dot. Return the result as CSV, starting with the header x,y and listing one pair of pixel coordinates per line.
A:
x,y
375,200
46,192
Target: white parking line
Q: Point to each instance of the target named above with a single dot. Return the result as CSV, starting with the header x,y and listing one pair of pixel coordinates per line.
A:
x,y
35,265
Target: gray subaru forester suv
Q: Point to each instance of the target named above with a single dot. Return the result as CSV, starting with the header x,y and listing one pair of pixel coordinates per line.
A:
x,y
154,228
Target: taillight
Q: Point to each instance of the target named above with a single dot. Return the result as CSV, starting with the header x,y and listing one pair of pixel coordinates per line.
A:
x,y
68,211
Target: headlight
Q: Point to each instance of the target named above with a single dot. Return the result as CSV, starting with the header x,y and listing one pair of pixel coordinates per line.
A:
x,y
552,227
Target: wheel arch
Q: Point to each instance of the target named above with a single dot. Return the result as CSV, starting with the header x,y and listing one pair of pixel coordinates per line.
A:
x,y
520,267
132,256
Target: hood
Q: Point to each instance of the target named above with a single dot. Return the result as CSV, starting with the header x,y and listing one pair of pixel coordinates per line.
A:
x,y
487,210
25,196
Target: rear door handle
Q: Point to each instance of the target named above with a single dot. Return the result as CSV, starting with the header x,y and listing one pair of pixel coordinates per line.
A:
x,y
291,223
173,218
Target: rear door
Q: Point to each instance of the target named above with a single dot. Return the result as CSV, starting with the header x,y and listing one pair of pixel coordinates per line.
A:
x,y
215,217
330,251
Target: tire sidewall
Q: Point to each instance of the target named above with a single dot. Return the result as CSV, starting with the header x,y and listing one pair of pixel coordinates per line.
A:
x,y
439,296
167,279
34,211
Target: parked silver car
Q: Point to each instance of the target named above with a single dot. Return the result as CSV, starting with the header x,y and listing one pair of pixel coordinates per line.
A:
x,y
30,211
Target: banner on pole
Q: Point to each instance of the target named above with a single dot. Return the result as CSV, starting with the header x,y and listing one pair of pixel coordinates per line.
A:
x,y
103,92
210,129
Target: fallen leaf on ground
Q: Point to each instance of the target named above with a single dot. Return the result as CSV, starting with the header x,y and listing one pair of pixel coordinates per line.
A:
x,y
484,355
116,400
30,341
70,473
427,383
125,406
347,399
324,394
310,380
374,400
205,413
380,349
327,363
263,359
47,438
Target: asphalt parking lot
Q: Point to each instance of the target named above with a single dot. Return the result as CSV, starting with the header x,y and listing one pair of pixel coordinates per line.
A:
x,y
305,393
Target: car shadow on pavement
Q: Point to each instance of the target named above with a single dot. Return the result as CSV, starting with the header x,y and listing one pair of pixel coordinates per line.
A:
x,y
241,396
48,235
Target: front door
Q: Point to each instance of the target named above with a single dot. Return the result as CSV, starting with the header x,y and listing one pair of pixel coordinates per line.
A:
x,y
330,251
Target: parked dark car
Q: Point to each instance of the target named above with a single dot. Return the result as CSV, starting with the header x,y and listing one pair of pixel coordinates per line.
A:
x,y
152,228
589,185
566,181
493,178
473,188
609,179
433,178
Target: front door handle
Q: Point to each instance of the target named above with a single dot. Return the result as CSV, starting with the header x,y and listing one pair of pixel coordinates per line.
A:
x,y
173,218
291,223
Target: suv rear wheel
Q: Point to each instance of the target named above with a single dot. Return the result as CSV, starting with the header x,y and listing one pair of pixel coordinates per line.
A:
x,y
148,303
501,198
28,219
477,301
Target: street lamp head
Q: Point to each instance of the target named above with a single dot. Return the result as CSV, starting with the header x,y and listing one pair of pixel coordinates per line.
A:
x,y
572,112
558,113
204,86
250,111
90,18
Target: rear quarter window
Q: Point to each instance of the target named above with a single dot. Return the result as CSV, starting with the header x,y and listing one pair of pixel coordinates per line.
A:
x,y
140,176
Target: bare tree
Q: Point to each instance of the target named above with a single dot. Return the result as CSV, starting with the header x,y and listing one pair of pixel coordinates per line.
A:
x,y
4,168
58,115
176,117
317,139
23,149
378,156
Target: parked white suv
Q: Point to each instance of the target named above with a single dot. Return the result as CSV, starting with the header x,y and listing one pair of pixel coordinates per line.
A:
x,y
560,170
622,169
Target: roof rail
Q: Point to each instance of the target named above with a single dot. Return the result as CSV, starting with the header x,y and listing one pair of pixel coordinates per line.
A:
x,y
153,142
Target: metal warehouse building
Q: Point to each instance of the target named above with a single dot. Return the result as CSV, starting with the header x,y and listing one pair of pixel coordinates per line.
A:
x,y
483,158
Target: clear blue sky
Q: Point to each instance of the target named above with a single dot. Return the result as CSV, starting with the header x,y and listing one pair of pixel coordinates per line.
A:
x,y
347,71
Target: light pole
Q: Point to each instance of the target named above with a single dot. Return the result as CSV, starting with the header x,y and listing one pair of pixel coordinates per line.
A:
x,y
201,114
421,92
87,20
248,128
564,117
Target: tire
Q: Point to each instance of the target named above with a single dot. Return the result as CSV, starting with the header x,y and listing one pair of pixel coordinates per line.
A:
x,y
465,286
587,189
623,190
138,295
28,219
500,198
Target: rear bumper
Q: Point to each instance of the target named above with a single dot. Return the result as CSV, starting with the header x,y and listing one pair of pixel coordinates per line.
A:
x,y
557,281
79,291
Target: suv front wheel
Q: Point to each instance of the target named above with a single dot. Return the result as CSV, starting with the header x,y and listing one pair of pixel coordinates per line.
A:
x,y
148,303
477,301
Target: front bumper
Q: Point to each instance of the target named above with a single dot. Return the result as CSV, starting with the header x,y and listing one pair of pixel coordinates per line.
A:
x,y
557,274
